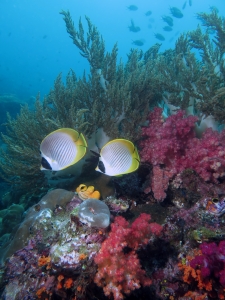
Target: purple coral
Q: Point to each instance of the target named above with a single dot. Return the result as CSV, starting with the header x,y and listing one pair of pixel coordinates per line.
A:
x,y
211,262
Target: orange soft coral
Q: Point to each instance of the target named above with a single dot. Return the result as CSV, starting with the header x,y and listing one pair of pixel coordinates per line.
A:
x,y
68,283
40,291
82,256
190,275
44,260
195,296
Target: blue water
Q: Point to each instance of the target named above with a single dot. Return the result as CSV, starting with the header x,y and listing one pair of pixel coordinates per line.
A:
x,y
35,47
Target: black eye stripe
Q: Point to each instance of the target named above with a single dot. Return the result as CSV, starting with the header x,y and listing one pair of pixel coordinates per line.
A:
x,y
101,166
45,164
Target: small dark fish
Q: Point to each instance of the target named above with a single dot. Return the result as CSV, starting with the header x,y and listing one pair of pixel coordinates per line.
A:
x,y
176,12
168,20
148,13
132,7
190,2
138,42
159,37
167,28
184,5
134,28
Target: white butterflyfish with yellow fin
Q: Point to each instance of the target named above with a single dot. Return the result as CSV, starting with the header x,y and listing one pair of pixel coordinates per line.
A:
x,y
118,157
62,148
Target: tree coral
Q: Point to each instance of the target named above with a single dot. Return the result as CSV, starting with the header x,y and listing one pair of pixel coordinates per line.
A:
x,y
119,271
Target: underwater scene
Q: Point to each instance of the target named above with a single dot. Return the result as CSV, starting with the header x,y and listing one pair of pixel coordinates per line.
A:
x,y
112,150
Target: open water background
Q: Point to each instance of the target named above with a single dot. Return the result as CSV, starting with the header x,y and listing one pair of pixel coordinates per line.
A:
x,y
35,47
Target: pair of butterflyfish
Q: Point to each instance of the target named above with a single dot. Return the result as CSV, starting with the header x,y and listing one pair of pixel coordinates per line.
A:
x,y
65,147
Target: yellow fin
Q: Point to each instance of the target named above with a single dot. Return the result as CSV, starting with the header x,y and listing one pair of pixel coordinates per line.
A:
x,y
134,166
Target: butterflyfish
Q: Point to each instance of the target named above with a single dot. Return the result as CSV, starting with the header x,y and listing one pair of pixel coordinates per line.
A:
x,y
61,149
118,157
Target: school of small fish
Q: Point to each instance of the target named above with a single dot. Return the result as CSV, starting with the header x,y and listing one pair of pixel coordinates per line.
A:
x,y
175,12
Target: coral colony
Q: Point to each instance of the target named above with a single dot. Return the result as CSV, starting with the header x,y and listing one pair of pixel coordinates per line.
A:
x,y
157,233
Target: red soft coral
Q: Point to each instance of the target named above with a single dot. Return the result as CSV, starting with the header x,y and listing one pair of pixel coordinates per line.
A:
x,y
119,272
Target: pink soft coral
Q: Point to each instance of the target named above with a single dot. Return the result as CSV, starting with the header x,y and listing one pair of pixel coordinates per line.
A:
x,y
120,272
171,146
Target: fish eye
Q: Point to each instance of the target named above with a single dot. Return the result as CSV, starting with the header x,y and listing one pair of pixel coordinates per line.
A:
x,y
215,200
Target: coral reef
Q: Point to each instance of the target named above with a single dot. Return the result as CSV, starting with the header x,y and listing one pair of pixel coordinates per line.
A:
x,y
119,94
54,247
205,271
171,146
119,272
52,252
